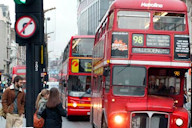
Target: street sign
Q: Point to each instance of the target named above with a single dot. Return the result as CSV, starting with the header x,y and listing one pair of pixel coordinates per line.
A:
x,y
25,27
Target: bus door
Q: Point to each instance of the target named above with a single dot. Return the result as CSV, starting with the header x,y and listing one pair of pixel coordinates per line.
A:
x,y
106,90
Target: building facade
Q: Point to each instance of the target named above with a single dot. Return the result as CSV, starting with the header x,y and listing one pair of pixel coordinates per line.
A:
x,y
18,53
5,40
10,54
89,14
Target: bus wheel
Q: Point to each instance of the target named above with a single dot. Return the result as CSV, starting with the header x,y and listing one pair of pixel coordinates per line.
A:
x,y
103,123
91,119
67,116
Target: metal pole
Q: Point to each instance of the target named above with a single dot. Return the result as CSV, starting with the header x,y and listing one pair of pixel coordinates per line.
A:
x,y
33,80
29,84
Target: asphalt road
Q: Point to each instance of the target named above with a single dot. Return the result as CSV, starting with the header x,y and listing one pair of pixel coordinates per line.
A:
x,y
76,122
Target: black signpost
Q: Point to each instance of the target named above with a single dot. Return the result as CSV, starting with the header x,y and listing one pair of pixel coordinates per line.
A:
x,y
29,29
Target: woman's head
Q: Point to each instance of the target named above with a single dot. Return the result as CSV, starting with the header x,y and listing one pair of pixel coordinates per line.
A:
x,y
45,93
54,98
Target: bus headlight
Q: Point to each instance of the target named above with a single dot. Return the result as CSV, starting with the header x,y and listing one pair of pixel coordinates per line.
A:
x,y
118,119
179,122
74,105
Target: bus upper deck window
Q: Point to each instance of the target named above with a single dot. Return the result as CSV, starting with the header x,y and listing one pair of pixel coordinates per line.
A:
x,y
169,21
133,20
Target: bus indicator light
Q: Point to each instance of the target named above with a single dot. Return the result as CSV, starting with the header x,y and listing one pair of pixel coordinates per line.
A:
x,y
177,73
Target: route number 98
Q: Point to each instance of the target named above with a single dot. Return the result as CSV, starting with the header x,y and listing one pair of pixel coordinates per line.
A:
x,y
138,40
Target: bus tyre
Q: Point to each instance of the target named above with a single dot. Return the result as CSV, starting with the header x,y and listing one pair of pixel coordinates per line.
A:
x,y
68,117
91,119
103,123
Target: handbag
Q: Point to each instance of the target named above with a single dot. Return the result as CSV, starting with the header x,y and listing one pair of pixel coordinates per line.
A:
x,y
2,113
37,122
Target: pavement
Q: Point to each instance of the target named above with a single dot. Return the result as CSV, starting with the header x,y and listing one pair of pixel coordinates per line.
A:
x,y
3,122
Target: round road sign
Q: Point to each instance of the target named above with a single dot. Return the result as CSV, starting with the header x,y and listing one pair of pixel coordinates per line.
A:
x,y
25,27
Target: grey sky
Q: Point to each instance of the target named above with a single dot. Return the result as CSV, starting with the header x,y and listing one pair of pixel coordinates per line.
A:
x,y
63,22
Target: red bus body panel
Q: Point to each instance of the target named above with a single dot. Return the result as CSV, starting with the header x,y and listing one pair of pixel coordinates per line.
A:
x,y
161,5
83,106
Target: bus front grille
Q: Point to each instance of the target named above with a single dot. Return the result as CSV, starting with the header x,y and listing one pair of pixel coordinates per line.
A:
x,y
149,120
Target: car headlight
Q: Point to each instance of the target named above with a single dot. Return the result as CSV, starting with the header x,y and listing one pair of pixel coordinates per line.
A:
x,y
118,119
179,122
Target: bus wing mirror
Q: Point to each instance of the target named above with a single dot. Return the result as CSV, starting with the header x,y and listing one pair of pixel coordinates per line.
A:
x,y
106,72
64,84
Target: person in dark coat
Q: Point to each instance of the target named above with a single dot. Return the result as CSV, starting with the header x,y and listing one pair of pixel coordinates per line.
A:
x,y
53,111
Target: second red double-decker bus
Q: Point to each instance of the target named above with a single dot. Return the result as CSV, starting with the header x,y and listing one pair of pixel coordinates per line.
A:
x,y
140,56
76,75
21,71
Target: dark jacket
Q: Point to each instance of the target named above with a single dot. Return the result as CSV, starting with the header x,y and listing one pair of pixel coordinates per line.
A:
x,y
8,99
52,116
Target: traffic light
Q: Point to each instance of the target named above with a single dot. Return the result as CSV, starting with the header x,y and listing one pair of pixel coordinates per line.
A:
x,y
22,1
29,25
46,77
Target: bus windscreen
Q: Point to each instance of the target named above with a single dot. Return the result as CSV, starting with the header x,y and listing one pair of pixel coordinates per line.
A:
x,y
82,47
133,20
169,21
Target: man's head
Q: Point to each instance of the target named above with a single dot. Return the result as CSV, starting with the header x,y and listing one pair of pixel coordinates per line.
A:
x,y
18,81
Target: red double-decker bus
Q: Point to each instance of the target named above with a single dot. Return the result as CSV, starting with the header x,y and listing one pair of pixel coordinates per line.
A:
x,y
21,71
76,75
140,56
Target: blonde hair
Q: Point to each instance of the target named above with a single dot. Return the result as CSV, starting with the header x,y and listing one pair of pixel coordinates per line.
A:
x,y
40,95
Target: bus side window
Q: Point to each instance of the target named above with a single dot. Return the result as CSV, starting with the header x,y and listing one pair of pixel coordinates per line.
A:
x,y
111,18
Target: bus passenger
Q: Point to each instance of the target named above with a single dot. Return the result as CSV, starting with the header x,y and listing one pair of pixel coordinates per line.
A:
x,y
161,88
172,90
152,85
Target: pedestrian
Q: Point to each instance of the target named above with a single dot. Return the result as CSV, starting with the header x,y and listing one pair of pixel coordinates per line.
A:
x,y
41,101
53,111
186,97
189,94
40,105
13,101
